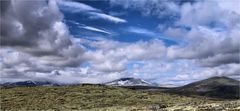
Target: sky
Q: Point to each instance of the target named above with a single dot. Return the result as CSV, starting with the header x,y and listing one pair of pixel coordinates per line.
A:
x,y
161,41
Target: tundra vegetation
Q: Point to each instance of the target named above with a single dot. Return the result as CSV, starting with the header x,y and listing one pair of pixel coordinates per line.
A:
x,y
99,97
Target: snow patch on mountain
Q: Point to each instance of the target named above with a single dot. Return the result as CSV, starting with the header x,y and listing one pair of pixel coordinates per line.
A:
x,y
129,82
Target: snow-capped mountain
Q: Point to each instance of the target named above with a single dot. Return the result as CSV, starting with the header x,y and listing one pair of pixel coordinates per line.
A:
x,y
129,82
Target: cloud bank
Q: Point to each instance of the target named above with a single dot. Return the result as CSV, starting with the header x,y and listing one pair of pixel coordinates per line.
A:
x,y
37,44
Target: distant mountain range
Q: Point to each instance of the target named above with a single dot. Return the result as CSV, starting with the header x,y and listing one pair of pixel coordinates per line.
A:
x,y
118,82
215,87
30,83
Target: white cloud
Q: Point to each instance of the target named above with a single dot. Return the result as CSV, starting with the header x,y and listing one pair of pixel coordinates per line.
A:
x,y
198,13
212,48
149,7
94,29
138,30
219,59
189,75
41,42
113,56
175,33
231,5
94,13
17,66
75,6
149,33
204,13
39,46
205,43
106,17
152,70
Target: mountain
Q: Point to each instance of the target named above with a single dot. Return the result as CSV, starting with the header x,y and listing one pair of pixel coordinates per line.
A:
x,y
215,87
30,83
129,82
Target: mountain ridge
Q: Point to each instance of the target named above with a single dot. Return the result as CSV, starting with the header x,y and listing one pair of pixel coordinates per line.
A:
x,y
213,87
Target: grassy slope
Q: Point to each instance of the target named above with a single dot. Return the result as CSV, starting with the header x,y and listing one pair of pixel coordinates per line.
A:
x,y
90,96
215,87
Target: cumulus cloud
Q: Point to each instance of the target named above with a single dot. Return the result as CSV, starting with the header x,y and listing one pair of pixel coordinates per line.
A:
x,y
152,70
208,30
17,64
36,39
36,28
188,74
220,59
112,56
213,48
198,13
149,7
210,47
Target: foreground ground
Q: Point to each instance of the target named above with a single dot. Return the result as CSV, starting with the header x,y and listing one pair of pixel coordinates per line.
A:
x,y
93,97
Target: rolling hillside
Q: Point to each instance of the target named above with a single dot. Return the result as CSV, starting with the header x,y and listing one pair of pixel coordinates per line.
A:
x,y
103,98
215,87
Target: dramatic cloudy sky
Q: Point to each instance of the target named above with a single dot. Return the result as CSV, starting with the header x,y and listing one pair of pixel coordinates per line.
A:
x,y
166,42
